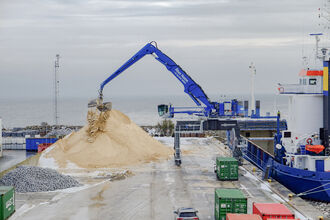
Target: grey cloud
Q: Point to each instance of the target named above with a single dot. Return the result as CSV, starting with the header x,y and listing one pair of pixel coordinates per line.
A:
x,y
213,40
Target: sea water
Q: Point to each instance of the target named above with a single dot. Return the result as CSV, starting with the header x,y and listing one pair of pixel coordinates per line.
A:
x,y
141,109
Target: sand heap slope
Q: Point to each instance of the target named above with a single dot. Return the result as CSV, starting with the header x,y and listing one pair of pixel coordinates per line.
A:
x,y
120,143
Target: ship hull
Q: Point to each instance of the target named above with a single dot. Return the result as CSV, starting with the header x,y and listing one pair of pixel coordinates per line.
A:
x,y
316,185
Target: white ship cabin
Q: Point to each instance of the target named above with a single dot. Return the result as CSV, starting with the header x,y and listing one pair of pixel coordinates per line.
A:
x,y
297,148
305,118
310,82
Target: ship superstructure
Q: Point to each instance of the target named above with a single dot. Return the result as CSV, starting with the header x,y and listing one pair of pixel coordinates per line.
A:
x,y
305,143
298,156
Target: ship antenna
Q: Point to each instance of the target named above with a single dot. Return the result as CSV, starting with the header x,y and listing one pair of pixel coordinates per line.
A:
x,y
317,40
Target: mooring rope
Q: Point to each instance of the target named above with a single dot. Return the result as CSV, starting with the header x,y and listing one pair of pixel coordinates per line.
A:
x,y
309,191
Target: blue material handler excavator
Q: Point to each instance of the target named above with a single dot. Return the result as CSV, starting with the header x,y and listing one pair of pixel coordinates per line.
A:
x,y
205,107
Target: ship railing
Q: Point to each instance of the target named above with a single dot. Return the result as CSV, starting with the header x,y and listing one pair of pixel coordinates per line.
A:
x,y
255,154
262,125
299,89
189,127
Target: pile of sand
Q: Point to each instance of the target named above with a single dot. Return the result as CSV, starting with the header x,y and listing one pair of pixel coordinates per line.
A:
x,y
119,142
96,124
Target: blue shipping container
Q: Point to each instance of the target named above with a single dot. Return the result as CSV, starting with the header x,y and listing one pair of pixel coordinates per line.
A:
x,y
32,143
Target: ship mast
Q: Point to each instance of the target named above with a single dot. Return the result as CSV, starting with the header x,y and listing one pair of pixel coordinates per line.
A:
x,y
324,15
323,50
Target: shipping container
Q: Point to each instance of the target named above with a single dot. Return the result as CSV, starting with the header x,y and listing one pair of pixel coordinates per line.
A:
x,y
32,143
229,201
44,146
7,202
227,168
277,218
272,210
231,216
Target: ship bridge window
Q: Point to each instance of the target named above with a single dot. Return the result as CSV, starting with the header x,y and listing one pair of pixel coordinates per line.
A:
x,y
300,81
287,134
312,81
304,81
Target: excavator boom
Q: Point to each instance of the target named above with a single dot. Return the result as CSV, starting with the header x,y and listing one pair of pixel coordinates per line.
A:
x,y
194,91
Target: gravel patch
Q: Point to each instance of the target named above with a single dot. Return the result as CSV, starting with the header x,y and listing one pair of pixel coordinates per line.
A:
x,y
37,179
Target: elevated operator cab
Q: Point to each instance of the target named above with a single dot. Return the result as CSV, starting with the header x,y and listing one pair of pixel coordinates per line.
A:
x,y
164,111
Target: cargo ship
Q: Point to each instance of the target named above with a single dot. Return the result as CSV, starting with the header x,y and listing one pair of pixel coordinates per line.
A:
x,y
298,157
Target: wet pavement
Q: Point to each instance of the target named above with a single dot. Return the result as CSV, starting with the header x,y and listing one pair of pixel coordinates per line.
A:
x,y
13,157
153,192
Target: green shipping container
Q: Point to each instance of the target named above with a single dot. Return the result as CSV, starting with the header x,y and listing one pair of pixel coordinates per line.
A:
x,y
7,201
227,168
229,201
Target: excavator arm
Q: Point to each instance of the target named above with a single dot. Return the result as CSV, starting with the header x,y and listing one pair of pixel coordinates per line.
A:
x,y
194,91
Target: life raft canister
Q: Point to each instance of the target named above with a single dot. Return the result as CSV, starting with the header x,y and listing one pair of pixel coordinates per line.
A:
x,y
315,148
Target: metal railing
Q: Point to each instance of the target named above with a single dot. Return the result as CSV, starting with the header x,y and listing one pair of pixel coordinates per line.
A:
x,y
261,125
260,162
189,127
299,89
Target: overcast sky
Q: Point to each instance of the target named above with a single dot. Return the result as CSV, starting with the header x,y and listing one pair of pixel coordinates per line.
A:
x,y
212,40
